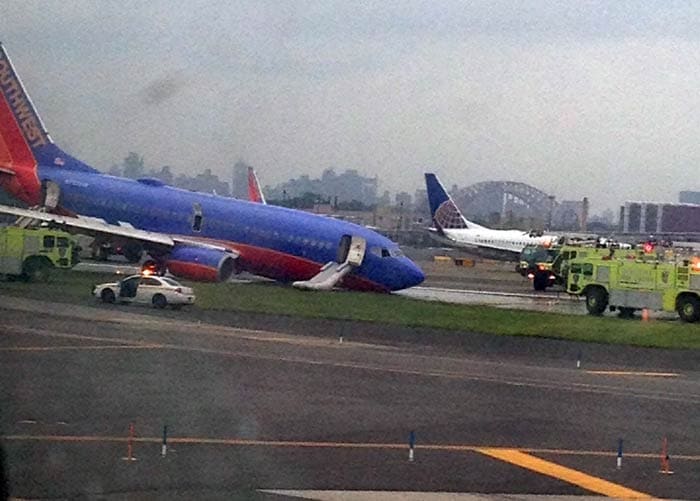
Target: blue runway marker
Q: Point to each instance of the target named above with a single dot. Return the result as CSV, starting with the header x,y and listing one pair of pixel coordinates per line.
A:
x,y
164,448
619,454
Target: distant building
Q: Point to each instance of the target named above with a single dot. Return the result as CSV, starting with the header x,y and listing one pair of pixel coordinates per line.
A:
x,y
659,218
204,182
602,223
421,207
571,215
404,199
239,181
345,187
689,197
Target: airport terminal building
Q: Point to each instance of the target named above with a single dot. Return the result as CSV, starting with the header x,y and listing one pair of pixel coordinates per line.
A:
x,y
660,218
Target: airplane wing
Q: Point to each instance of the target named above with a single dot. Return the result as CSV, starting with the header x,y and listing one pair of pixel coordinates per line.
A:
x,y
91,225
95,226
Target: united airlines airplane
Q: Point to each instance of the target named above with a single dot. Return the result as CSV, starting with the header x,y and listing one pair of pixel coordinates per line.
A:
x,y
452,228
194,235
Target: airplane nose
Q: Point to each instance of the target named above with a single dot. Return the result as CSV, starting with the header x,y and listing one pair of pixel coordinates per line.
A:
x,y
412,275
417,275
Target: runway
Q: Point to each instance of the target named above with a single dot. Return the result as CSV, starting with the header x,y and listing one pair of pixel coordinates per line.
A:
x,y
263,408
553,301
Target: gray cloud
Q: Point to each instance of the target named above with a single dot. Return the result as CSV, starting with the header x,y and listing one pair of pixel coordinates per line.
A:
x,y
581,98
162,89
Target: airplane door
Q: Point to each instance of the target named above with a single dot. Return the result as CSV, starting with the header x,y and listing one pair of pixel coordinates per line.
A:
x,y
351,250
52,192
358,246
343,249
197,218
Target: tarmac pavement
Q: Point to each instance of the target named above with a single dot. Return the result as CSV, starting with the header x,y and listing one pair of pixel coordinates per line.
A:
x,y
257,406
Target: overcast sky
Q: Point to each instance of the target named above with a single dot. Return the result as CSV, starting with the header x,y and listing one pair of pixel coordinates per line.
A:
x,y
578,98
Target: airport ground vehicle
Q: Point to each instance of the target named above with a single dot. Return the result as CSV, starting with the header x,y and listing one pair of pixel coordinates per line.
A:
x,y
536,262
146,289
547,266
644,282
31,253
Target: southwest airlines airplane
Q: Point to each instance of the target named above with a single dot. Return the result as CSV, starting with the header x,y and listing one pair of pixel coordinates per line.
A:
x,y
452,228
194,235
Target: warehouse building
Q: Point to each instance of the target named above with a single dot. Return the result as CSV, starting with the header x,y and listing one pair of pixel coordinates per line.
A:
x,y
659,218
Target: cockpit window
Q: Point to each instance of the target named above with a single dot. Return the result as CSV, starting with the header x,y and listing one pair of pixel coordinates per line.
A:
x,y
383,252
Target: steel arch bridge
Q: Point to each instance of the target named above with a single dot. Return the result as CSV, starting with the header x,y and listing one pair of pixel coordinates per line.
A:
x,y
490,200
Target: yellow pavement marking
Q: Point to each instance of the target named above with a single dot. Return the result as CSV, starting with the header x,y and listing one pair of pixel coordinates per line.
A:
x,y
638,455
74,348
575,477
634,373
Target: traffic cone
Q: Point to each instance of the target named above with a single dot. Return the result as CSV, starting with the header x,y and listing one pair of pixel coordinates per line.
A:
x,y
130,445
665,458
645,315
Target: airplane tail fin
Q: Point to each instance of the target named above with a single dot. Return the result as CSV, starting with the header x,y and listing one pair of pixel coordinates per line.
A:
x,y
255,193
24,141
444,211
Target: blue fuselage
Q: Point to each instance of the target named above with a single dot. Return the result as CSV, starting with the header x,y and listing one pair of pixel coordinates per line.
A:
x,y
280,243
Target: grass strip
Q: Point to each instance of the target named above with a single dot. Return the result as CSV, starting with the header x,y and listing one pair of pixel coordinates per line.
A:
x,y
76,287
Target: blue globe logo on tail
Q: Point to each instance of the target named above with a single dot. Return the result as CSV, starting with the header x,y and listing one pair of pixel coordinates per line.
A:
x,y
448,217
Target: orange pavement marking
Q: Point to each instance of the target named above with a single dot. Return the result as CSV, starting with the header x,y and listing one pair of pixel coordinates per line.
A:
x,y
311,444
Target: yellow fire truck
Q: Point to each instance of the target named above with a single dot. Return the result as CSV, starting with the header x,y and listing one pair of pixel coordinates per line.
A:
x,y
548,266
31,253
647,281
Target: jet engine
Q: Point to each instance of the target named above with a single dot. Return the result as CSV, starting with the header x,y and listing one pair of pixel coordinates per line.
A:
x,y
200,263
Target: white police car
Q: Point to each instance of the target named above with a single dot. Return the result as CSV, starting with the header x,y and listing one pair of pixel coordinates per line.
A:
x,y
146,289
